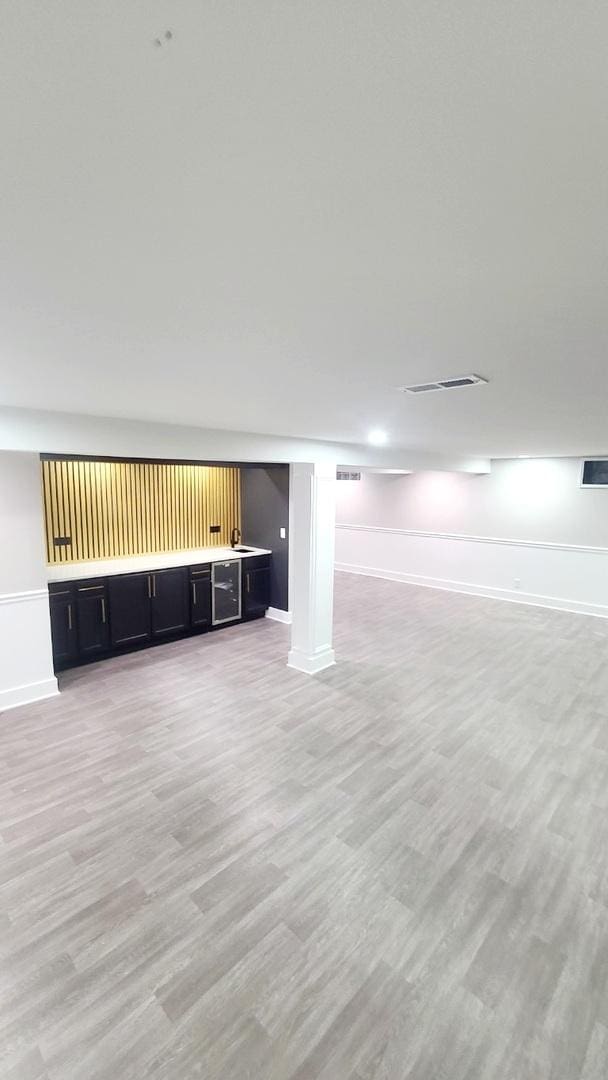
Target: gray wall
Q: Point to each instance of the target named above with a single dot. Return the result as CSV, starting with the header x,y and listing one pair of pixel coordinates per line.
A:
x,y
265,510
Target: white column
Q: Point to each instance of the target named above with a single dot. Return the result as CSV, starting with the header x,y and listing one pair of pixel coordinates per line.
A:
x,y
26,662
313,512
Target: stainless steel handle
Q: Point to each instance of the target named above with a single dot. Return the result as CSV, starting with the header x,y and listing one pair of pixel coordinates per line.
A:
x,y
194,592
69,616
154,585
149,587
103,609
89,588
248,582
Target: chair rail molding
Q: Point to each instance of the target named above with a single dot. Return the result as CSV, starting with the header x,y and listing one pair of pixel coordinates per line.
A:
x,y
23,597
508,541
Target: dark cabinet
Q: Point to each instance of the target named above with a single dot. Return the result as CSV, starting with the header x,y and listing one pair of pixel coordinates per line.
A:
x,y
64,633
97,616
145,606
92,616
130,620
200,596
256,586
169,601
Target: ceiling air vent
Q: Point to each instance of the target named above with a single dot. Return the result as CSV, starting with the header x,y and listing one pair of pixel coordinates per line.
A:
x,y
444,384
347,474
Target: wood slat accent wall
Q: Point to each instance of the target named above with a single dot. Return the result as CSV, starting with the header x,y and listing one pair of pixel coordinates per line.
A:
x,y
109,509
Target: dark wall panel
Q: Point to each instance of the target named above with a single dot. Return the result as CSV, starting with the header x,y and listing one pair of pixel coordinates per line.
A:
x,y
264,512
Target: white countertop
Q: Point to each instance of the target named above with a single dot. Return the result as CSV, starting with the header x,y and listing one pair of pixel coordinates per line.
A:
x,y
147,563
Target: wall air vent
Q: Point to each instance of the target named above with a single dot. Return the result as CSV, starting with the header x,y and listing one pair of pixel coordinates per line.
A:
x,y
345,474
444,384
594,473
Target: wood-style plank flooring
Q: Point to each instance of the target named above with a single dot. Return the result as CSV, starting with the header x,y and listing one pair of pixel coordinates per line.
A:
x,y
215,867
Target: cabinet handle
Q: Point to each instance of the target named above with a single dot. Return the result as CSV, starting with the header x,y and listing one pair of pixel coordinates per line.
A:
x,y
149,587
103,609
69,616
154,585
248,582
194,592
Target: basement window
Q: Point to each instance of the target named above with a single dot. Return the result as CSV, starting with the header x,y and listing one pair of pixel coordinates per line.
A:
x,y
594,473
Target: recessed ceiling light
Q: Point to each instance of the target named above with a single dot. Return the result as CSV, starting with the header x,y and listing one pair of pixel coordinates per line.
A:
x,y
377,437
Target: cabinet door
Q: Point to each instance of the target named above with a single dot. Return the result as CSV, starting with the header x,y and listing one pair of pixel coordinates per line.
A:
x,y
170,612
200,597
93,624
63,627
256,591
129,602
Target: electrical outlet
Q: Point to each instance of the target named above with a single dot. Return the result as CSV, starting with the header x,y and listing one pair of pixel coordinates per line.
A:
x,y
282,533
516,582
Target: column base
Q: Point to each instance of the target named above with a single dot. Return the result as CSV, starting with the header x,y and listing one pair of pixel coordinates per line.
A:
x,y
311,665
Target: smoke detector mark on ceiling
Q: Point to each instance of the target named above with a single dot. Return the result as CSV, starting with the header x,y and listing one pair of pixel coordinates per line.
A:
x,y
455,383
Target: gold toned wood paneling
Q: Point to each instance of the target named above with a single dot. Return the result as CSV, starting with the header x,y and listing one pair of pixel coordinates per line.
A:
x,y
109,509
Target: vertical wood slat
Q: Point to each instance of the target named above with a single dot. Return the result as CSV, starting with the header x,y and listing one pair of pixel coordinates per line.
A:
x,y
110,509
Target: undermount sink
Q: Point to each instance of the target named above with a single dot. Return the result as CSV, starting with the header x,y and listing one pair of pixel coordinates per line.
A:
x,y
239,547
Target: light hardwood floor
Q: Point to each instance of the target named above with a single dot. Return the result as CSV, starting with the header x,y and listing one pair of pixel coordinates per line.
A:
x,y
213,866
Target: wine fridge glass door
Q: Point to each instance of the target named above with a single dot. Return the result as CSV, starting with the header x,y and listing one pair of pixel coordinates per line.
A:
x,y
225,592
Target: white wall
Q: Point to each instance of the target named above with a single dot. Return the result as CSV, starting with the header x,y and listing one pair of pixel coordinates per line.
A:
x,y
526,531
26,665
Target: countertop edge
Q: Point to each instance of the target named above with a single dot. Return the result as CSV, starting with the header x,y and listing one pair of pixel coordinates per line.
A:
x,y
104,568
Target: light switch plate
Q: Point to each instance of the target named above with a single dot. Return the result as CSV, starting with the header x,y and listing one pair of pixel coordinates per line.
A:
x,y
282,533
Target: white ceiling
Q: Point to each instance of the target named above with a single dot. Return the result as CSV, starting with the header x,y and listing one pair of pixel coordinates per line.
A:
x,y
291,208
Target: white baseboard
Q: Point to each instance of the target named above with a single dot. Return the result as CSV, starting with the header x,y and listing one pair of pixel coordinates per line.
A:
x,y
278,615
311,665
513,596
28,694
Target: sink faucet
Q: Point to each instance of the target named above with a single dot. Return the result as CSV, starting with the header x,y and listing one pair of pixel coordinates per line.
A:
x,y
235,537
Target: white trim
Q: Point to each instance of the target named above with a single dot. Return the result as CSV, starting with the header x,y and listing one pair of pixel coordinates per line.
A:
x,y
311,665
556,603
278,615
28,694
21,597
479,539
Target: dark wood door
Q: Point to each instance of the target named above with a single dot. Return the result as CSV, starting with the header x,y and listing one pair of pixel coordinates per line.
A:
x,y
170,610
129,602
93,621
256,591
64,627
200,597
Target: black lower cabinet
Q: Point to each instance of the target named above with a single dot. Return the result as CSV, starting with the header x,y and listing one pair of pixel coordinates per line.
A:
x,y
92,616
99,616
200,597
256,586
169,602
64,632
130,612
